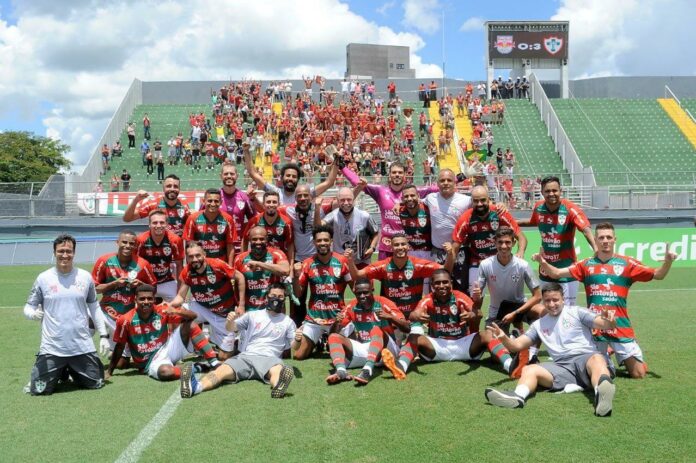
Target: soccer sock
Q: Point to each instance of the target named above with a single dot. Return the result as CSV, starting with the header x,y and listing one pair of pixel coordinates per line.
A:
x,y
201,344
407,355
177,372
376,345
338,354
498,350
522,391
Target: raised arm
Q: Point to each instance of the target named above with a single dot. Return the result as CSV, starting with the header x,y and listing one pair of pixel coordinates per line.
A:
x,y
662,272
130,214
329,182
255,176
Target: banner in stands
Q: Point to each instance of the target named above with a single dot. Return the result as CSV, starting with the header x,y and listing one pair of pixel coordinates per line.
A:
x,y
527,44
117,203
648,245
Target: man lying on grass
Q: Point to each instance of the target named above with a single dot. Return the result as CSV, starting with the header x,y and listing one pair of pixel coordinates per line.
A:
x,y
566,331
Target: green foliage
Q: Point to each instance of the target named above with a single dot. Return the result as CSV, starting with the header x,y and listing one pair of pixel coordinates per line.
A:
x,y
26,157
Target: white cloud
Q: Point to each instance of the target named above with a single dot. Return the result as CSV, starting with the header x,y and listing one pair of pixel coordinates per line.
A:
x,y
386,7
422,15
475,23
80,60
629,37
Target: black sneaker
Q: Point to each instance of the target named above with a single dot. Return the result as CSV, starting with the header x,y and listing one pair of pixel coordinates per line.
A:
x,y
286,375
505,399
604,395
363,378
533,360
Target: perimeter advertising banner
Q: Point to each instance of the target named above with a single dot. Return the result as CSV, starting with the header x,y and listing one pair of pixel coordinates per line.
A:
x,y
645,244
526,44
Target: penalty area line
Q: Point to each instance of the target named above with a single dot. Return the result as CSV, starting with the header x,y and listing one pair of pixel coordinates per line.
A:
x,y
138,445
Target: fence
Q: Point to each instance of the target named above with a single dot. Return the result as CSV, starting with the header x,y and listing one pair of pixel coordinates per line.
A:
x,y
580,175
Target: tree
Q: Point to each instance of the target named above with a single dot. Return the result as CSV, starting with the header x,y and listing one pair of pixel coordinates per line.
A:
x,y
26,157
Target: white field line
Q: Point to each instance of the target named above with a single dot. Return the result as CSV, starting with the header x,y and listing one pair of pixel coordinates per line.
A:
x,y
135,449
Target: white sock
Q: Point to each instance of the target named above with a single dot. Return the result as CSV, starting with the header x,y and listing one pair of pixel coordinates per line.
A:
x,y
403,366
522,391
506,364
533,350
198,389
368,368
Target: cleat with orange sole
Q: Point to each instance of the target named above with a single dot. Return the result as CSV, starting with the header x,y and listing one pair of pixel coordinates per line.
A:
x,y
390,362
519,361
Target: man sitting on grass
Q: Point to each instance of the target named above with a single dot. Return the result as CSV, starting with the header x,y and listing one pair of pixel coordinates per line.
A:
x,y
566,331
268,334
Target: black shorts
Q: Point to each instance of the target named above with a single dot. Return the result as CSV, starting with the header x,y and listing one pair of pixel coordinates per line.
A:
x,y
86,370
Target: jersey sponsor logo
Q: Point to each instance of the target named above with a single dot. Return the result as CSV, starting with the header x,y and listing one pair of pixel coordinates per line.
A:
x,y
618,269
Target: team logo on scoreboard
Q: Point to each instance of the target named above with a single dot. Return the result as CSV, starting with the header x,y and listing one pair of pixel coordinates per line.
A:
x,y
553,44
504,44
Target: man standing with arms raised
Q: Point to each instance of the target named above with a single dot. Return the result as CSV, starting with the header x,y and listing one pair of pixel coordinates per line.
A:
x,y
386,198
176,211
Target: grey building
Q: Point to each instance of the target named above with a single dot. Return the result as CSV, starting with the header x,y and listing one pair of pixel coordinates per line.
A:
x,y
378,61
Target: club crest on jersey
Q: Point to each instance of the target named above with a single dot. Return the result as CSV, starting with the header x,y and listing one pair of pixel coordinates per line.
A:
x,y
422,221
515,277
166,250
618,269
494,225
453,309
132,275
221,228
212,278
240,205
337,271
561,219
408,273
180,212
157,324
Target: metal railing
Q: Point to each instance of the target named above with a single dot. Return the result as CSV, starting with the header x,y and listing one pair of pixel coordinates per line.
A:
x,y
579,174
674,97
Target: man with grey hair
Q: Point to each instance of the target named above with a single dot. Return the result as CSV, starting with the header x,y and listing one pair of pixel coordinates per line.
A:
x,y
353,228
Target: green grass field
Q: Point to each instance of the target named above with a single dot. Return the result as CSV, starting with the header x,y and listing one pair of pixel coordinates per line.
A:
x,y
438,414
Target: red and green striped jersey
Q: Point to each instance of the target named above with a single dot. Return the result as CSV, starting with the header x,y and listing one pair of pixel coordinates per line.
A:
x,y
212,288
144,337
557,229
258,281
403,286
417,227
213,235
176,214
477,233
444,320
161,256
120,300
606,287
327,283
365,320
279,233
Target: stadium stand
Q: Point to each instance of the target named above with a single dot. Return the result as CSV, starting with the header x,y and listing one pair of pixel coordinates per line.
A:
x,y
680,118
626,141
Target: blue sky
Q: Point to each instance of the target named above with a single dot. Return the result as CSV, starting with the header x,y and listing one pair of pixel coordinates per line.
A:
x,y
67,65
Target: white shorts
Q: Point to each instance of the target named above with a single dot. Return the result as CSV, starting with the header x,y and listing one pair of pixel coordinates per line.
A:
x,y
167,290
218,332
360,350
448,350
170,353
622,350
314,331
111,328
570,292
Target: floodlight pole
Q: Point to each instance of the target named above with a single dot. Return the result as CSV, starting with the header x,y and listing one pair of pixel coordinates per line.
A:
x,y
444,90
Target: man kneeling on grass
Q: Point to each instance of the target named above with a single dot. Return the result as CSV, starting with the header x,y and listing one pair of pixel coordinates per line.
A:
x,y
267,335
566,331
154,348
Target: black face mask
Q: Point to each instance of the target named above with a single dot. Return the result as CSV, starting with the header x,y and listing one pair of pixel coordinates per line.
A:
x,y
275,304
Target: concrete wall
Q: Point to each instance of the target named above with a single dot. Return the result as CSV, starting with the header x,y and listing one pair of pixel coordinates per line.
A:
x,y
378,61
633,87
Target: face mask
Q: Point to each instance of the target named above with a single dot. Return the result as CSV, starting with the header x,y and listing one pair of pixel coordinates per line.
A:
x,y
275,304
